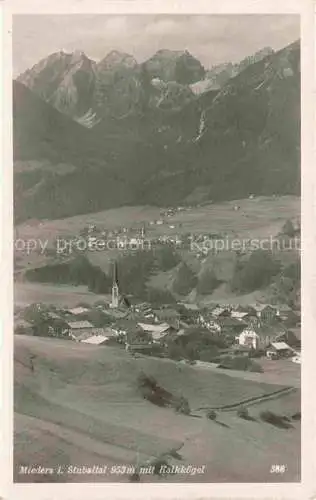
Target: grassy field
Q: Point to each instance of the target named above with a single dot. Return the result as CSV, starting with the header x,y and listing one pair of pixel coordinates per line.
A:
x,y
81,405
58,295
260,216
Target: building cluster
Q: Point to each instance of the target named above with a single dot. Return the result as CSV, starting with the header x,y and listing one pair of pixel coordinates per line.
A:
x,y
273,331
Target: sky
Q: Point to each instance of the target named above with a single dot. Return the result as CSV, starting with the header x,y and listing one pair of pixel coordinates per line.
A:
x,y
212,39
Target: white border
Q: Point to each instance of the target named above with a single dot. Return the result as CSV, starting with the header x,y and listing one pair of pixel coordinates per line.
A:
x,y
307,488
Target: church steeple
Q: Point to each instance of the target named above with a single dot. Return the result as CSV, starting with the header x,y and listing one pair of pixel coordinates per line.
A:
x,y
115,288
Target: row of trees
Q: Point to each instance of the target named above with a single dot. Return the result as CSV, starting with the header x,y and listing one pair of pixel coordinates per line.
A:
x,y
259,271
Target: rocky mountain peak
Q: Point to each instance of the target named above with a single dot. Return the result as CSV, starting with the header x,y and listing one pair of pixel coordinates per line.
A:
x,y
116,58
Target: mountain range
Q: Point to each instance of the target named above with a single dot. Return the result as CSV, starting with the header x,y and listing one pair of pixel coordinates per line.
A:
x,y
93,135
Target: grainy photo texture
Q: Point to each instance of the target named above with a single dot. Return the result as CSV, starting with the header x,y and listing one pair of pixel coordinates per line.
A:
x,y
157,248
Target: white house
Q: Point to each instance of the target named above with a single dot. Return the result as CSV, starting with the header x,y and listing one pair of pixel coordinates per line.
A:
x,y
76,311
96,340
210,323
157,332
258,337
80,330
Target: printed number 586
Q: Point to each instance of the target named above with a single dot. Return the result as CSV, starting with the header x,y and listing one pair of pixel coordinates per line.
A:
x,y
278,469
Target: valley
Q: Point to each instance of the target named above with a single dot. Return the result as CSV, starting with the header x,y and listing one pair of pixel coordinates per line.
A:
x,y
157,279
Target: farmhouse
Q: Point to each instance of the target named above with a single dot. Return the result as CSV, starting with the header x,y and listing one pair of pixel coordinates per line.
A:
x,y
55,325
218,312
189,307
80,330
283,310
241,315
259,337
265,312
287,315
167,315
279,350
231,325
107,335
291,337
156,331
76,311
209,322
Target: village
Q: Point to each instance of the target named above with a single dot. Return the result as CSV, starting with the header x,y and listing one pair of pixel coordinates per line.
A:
x,y
232,336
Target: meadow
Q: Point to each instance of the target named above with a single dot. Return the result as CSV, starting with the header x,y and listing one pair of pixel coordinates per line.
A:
x,y
81,405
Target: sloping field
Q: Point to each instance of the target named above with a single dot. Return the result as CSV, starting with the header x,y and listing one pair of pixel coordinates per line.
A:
x,y
58,295
260,216
80,405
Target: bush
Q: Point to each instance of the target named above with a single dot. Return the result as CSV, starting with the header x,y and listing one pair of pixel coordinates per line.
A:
x,y
158,464
207,282
242,363
288,229
274,419
211,415
243,413
255,273
296,416
182,406
134,478
255,367
151,391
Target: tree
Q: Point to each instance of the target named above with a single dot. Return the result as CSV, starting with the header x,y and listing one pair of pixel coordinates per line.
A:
x,y
256,273
211,415
207,282
288,229
182,406
166,258
159,297
185,280
243,413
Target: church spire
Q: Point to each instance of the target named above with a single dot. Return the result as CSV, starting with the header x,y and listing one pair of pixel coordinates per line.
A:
x,y
115,288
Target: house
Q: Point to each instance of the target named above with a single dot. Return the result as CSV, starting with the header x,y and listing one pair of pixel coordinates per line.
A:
x,y
291,337
189,307
56,326
286,314
53,315
278,350
209,322
241,315
231,326
80,330
219,311
259,337
100,339
265,312
157,332
167,315
282,310
76,311
125,325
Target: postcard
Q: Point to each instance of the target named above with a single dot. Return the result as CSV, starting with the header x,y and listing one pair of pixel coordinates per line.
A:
x,y
158,249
